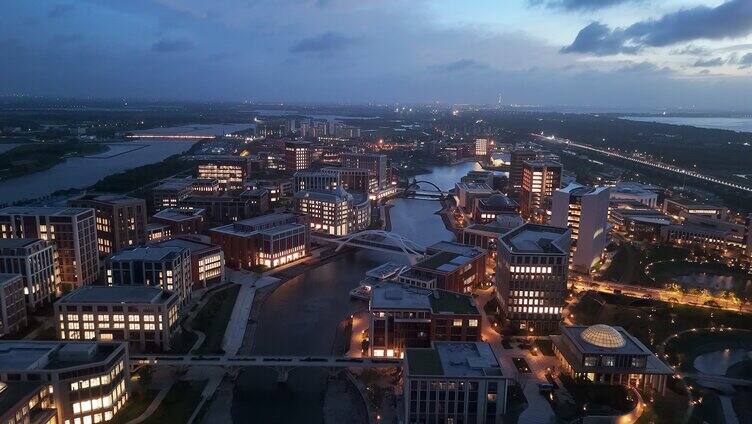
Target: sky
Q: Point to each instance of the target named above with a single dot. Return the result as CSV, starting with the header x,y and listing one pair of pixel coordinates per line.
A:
x,y
599,53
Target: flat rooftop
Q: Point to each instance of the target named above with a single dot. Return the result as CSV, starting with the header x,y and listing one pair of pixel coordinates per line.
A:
x,y
14,243
534,238
392,295
174,184
454,359
116,294
172,214
146,254
42,211
453,247
20,355
7,278
189,243
447,262
475,187
115,199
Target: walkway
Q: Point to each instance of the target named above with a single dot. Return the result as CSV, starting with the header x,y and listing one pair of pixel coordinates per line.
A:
x,y
235,331
152,406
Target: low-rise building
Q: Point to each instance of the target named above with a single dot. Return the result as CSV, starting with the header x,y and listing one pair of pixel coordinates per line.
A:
x,y
121,220
269,240
710,234
207,259
467,193
229,206
487,209
454,382
170,192
34,260
643,193
12,305
87,381
678,209
144,317
335,212
486,235
168,268
449,266
403,317
181,221
610,355
229,171
27,402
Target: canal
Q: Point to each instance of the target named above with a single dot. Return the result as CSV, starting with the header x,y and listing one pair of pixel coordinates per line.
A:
x,y
301,317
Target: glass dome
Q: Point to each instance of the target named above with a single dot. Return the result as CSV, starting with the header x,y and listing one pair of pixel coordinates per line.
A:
x,y
602,335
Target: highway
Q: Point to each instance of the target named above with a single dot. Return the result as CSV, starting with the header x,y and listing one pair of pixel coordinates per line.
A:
x,y
652,163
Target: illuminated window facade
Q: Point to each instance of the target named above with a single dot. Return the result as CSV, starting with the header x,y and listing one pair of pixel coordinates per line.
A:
x,y
229,171
34,260
540,178
12,304
144,317
297,155
121,220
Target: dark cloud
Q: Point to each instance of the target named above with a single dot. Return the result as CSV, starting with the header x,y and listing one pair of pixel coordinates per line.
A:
x,y
600,40
731,19
460,65
579,5
326,42
643,68
172,46
745,61
709,63
60,10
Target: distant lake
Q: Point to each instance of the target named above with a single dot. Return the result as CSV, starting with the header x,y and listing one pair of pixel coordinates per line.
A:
x,y
328,117
732,124
80,172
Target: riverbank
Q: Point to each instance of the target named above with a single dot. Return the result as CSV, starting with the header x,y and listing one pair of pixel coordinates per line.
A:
x,y
32,158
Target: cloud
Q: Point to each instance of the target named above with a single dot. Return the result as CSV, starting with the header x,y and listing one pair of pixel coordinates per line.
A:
x,y
323,43
745,61
172,46
60,10
579,5
600,40
709,63
732,19
691,50
460,66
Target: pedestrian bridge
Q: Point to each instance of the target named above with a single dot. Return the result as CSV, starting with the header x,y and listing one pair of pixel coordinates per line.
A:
x,y
281,363
379,240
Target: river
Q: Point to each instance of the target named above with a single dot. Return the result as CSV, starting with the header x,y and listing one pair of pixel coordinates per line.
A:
x,y
719,123
301,316
80,172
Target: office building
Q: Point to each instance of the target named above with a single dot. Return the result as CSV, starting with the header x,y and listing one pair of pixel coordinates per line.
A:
x,y
355,179
403,317
540,178
488,209
531,277
709,234
12,304
373,162
121,220
454,382
585,211
486,235
269,240
610,355
87,382
482,146
72,230
230,206
678,209
517,158
143,317
298,155
207,259
34,261
156,232
181,221
168,268
27,402
643,193
448,266
324,179
170,192
334,212
229,171
467,193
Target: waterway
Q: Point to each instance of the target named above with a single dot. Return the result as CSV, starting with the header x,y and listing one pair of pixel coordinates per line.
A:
x,y
301,317
80,172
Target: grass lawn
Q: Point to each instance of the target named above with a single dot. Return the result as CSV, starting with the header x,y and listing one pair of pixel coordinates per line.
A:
x,y
599,398
213,317
183,342
138,401
178,405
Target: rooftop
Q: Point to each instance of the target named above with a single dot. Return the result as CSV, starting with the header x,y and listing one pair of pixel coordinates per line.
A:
x,y
19,355
444,262
15,391
474,187
454,359
146,253
116,199
535,238
43,211
116,294
391,295
174,184
8,278
14,243
453,247
190,243
174,214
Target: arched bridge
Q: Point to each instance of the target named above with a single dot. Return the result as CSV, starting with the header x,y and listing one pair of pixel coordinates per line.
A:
x,y
380,240
414,189
281,363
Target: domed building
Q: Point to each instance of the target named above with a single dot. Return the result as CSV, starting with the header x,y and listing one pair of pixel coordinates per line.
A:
x,y
609,355
487,209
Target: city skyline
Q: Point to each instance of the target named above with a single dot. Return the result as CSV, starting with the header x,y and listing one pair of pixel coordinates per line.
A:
x,y
640,54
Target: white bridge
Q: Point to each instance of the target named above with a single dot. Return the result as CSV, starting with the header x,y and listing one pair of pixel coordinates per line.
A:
x,y
282,364
379,240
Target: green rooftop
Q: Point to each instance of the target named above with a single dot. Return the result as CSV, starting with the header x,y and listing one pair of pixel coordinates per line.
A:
x,y
455,303
424,362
